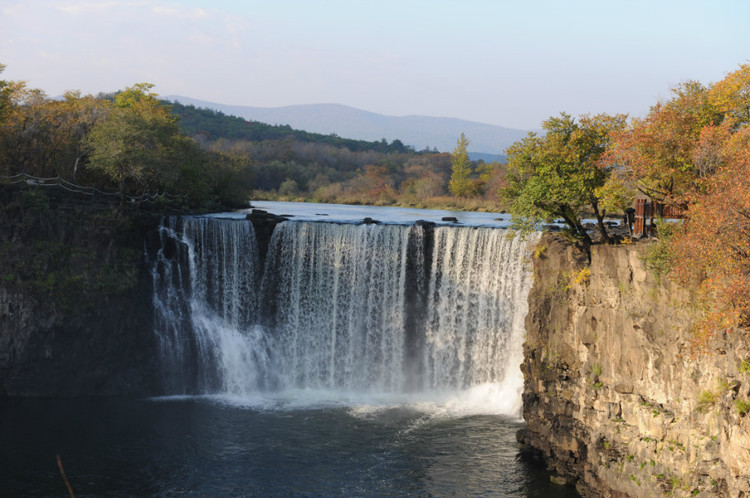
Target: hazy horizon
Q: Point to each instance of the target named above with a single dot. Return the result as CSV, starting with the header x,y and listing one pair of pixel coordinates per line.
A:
x,y
511,64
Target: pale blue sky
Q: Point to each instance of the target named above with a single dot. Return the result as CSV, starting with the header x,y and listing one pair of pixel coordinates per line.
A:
x,y
511,63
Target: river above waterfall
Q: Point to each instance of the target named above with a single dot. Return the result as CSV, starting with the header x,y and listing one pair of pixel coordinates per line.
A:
x,y
344,213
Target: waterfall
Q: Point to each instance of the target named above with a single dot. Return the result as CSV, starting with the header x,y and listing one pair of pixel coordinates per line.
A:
x,y
338,307
339,292
477,304
206,306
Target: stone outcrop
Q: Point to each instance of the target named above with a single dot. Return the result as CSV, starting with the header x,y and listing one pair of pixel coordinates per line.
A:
x,y
264,224
617,400
76,316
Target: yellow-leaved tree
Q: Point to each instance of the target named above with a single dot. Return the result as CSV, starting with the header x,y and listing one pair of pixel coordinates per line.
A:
x,y
138,145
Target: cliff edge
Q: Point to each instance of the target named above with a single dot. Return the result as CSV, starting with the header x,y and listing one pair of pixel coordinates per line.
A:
x,y
75,296
616,400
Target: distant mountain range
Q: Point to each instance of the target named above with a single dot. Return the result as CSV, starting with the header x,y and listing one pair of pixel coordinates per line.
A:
x,y
487,141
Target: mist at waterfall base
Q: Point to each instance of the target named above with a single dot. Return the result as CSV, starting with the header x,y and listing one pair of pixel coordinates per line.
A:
x,y
347,360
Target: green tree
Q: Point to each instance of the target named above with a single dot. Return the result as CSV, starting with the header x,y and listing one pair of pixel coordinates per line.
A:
x,y
460,184
138,144
226,179
289,187
560,174
4,94
78,115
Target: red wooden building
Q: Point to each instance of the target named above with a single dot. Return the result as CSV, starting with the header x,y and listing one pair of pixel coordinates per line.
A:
x,y
646,210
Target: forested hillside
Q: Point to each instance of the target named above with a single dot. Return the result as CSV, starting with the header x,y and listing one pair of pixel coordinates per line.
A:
x,y
296,164
131,142
209,124
421,132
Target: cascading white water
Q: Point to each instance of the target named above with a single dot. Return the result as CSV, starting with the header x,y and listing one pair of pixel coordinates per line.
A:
x,y
341,308
206,306
339,292
477,305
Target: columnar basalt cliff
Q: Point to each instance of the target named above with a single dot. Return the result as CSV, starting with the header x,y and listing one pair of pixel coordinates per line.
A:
x,y
617,401
75,296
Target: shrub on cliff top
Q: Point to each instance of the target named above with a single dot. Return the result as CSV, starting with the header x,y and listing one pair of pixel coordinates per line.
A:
x,y
714,246
658,256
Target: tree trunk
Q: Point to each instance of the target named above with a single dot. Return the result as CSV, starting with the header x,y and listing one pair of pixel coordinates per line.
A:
x,y
584,236
122,194
75,167
575,224
600,220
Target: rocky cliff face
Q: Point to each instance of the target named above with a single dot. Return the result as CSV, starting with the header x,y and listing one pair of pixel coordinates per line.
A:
x,y
75,297
617,401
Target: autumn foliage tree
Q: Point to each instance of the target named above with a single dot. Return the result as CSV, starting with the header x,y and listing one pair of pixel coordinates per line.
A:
x,y
82,113
42,136
693,151
730,98
657,152
712,249
27,130
5,91
561,173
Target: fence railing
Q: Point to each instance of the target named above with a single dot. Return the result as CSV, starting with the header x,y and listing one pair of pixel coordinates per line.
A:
x,y
59,182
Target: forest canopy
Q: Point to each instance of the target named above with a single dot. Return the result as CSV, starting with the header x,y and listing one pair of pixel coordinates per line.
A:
x,y
131,141
691,152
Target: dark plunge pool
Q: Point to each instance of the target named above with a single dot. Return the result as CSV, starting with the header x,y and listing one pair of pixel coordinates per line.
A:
x,y
213,447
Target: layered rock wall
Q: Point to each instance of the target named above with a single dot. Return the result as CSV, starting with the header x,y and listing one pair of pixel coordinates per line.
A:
x,y
617,400
75,297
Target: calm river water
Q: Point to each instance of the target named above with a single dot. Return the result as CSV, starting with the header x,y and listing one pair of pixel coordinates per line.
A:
x,y
206,447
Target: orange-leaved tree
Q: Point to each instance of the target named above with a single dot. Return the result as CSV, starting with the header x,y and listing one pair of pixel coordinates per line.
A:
x,y
694,151
713,247
657,152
